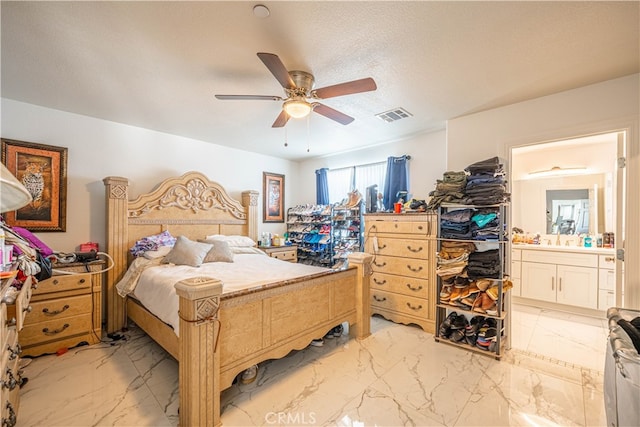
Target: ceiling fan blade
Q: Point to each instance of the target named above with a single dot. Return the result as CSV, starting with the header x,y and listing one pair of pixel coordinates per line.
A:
x,y
282,120
250,97
347,88
278,69
332,114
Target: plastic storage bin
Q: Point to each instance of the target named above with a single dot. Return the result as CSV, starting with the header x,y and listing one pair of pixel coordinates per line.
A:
x,y
621,373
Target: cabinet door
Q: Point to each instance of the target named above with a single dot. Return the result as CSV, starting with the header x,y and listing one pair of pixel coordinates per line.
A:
x,y
578,286
538,281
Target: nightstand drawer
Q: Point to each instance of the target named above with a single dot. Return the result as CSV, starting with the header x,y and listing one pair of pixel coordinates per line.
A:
x,y
56,329
288,255
58,308
63,282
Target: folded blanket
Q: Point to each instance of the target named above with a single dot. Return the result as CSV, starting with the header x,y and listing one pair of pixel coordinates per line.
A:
x,y
128,283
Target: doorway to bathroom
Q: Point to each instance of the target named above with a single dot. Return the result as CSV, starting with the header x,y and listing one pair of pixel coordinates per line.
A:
x,y
567,195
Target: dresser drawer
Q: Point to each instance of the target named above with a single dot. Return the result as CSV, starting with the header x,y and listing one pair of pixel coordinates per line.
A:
x,y
401,227
64,283
401,266
403,285
56,329
44,311
408,248
22,305
399,303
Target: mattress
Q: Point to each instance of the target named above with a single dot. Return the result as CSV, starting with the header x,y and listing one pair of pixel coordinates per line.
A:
x,y
155,287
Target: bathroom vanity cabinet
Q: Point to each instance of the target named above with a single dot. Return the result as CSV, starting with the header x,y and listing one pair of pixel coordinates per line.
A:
x,y
577,277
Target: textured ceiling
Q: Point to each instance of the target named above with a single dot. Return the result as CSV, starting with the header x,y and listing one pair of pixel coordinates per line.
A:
x,y
158,65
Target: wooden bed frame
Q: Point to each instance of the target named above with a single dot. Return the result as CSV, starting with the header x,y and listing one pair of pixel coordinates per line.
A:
x,y
223,334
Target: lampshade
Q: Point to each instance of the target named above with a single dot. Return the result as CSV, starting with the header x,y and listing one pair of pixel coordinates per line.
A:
x,y
13,195
297,108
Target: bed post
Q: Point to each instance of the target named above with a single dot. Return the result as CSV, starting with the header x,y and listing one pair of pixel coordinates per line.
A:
x,y
250,203
362,261
199,367
116,246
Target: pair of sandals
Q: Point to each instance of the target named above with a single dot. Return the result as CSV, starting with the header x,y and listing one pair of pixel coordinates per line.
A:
x,y
453,327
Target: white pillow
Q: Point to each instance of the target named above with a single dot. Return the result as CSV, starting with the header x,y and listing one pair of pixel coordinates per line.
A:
x,y
162,251
187,252
235,240
246,250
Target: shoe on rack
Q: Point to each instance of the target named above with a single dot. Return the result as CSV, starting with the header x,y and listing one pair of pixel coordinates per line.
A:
x,y
249,375
445,326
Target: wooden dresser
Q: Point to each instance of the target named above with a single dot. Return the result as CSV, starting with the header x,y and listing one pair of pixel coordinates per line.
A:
x,y
66,310
403,282
12,317
285,253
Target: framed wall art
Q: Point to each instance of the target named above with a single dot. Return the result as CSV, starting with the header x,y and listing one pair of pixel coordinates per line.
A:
x,y
42,169
273,197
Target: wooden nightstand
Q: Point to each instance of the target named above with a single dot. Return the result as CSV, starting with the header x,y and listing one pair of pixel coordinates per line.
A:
x,y
66,310
285,253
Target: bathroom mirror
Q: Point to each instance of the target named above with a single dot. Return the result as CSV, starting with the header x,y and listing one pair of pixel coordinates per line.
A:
x,y
568,211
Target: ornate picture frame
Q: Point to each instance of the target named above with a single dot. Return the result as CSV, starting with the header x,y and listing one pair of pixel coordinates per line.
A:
x,y
42,169
273,197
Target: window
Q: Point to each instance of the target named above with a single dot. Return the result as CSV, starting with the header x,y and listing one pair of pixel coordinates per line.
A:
x,y
344,180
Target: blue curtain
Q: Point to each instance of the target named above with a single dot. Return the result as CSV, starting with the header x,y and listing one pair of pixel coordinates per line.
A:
x,y
397,179
322,187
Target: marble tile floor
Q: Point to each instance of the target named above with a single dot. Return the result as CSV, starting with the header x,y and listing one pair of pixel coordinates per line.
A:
x,y
569,339
399,376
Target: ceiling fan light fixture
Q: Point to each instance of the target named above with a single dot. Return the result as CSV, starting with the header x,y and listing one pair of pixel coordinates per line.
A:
x,y
297,108
558,171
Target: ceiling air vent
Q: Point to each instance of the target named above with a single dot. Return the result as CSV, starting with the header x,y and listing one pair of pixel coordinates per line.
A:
x,y
394,115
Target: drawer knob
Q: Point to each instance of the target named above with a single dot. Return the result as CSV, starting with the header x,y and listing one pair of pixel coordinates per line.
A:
x,y
415,270
379,282
414,250
382,246
56,282
415,289
56,331
609,259
81,281
414,308
56,312
379,265
419,227
379,299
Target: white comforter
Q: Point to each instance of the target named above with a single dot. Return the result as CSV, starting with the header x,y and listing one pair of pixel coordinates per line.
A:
x,y
155,290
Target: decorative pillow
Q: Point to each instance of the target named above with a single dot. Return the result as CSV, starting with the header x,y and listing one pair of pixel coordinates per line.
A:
x,y
235,240
187,252
220,252
159,253
152,243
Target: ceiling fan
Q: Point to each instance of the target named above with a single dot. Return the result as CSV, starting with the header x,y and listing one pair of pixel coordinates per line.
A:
x,y
300,97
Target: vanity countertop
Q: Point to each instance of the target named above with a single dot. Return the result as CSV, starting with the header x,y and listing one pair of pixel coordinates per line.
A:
x,y
564,248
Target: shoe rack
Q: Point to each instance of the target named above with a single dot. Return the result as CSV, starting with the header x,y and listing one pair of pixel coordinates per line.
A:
x,y
326,234
473,302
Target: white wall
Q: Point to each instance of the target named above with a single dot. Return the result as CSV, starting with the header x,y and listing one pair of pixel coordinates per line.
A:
x,y
597,108
99,148
427,164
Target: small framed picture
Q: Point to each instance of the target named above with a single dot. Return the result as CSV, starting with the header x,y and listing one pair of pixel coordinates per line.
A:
x,y
273,197
42,169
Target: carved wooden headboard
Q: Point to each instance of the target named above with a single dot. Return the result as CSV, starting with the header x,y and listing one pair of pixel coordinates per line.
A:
x,y
190,205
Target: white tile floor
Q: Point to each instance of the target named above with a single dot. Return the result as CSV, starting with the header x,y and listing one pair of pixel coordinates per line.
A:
x,y
568,338
397,376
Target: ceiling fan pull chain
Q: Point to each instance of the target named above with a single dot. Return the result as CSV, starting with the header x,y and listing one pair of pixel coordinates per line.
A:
x,y
308,133
286,144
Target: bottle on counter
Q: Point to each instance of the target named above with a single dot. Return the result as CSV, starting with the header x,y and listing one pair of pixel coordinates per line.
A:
x,y
588,241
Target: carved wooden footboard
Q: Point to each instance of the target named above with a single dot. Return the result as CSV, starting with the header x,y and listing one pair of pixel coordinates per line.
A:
x,y
221,335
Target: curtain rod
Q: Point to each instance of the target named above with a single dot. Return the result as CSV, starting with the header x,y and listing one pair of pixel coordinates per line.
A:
x,y
408,157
